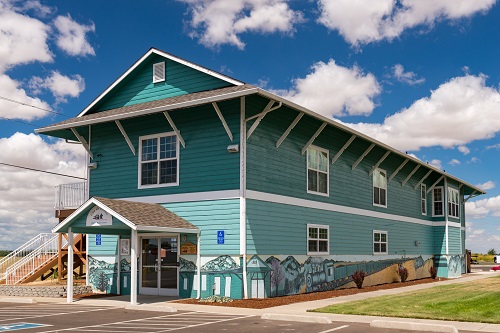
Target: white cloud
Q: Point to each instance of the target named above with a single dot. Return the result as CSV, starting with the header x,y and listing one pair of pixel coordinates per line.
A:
x,y
398,72
497,146
481,208
436,163
27,205
72,37
447,118
464,150
218,22
23,39
365,21
11,110
60,85
486,186
454,162
333,90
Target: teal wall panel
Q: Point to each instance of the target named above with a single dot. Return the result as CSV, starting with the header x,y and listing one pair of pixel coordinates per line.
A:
x,y
138,86
454,240
108,247
205,163
439,240
211,216
282,229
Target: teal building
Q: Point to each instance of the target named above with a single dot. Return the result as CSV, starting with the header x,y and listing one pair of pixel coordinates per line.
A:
x,y
200,185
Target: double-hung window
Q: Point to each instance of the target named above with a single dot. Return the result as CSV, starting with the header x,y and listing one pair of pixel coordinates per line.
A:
x,y
317,170
158,160
453,202
379,188
423,196
380,242
437,201
318,239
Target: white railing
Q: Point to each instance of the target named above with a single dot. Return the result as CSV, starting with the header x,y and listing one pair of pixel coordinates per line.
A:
x,y
71,195
22,251
28,264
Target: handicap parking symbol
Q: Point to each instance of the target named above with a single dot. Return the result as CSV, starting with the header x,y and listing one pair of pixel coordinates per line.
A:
x,y
18,326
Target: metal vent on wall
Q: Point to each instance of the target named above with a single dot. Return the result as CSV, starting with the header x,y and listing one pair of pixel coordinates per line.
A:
x,y
159,72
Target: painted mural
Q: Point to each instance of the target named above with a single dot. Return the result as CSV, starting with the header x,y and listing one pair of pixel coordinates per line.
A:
x,y
103,272
289,276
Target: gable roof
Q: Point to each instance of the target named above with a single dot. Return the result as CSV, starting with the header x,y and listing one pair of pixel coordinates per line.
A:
x,y
167,56
136,215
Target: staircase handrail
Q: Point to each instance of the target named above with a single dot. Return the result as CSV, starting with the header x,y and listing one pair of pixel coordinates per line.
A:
x,y
22,251
52,246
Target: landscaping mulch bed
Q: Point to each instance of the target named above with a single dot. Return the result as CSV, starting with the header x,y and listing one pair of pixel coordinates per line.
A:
x,y
263,303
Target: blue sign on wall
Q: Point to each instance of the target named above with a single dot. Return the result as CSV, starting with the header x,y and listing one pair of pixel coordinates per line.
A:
x,y
98,239
220,237
18,326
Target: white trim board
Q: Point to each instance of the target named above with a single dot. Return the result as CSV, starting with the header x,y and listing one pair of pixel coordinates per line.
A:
x,y
186,197
275,198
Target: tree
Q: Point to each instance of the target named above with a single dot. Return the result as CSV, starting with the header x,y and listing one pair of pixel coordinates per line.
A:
x,y
492,252
102,282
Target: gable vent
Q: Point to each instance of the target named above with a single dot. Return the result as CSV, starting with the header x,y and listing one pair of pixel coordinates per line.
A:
x,y
159,72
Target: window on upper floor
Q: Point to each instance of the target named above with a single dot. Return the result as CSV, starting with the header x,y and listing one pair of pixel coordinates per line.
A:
x,y
423,198
317,239
380,242
158,160
437,201
379,188
159,72
317,170
453,200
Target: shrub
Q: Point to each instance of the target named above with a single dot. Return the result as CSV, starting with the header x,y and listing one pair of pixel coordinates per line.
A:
x,y
215,299
403,273
434,272
358,278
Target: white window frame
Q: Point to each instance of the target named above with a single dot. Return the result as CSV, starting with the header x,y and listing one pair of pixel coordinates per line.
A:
x,y
434,200
451,203
423,199
318,226
378,170
327,171
161,65
158,160
381,232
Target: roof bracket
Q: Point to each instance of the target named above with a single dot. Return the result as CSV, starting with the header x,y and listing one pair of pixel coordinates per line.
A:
x,y
344,147
379,162
470,196
435,184
224,123
423,178
411,174
289,129
363,156
82,141
261,116
398,169
311,140
120,127
170,121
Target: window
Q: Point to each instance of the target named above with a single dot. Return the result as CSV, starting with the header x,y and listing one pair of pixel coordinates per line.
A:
x,y
379,188
317,170
159,72
423,196
437,201
379,242
317,239
453,202
159,160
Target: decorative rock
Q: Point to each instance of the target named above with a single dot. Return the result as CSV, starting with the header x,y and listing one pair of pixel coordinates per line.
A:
x,y
42,291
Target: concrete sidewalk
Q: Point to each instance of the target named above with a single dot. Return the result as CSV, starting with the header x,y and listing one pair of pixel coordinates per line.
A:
x,y
295,311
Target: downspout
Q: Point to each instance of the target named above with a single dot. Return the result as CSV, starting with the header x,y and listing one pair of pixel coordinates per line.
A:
x,y
243,204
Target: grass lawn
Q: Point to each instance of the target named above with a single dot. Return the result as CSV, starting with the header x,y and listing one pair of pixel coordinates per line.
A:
x,y
478,301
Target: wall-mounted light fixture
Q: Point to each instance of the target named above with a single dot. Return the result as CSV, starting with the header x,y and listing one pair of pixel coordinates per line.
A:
x,y
233,148
417,243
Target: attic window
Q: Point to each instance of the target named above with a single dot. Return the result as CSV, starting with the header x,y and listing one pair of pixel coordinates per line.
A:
x,y
159,72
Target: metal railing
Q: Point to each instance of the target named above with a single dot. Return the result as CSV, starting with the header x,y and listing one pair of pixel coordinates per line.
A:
x,y
28,264
71,195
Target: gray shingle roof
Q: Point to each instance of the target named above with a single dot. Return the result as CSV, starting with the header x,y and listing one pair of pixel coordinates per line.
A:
x,y
146,214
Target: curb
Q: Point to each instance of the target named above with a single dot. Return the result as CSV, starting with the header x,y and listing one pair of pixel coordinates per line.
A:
x,y
404,325
147,307
304,319
19,300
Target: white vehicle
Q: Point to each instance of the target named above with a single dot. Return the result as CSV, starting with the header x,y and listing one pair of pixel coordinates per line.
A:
x,y
496,259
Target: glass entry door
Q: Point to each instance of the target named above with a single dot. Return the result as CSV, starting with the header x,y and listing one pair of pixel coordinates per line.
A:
x,y
159,268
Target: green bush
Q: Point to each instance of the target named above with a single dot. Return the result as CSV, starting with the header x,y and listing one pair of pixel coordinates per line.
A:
x,y
358,277
215,299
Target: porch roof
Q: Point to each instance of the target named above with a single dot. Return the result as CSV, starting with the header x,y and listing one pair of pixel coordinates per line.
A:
x,y
138,216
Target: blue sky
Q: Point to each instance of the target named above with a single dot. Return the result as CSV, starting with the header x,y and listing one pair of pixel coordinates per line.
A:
x,y
422,76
